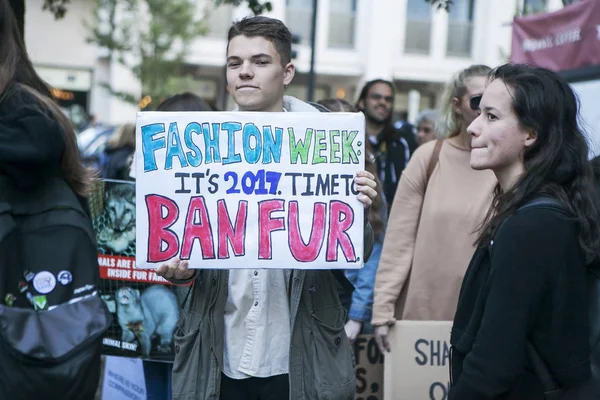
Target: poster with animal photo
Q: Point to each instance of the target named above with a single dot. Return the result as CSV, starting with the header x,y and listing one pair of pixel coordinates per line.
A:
x,y
144,305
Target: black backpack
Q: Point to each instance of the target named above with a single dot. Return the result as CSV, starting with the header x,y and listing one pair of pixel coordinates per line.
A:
x,y
591,389
51,317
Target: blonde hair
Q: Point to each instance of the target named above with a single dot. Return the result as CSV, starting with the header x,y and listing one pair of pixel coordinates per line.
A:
x,y
456,88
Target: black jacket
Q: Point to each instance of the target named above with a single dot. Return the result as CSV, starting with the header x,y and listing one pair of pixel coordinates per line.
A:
x,y
31,140
393,149
529,283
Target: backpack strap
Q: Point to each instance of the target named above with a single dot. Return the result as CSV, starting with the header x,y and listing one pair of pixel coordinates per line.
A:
x,y
435,157
552,390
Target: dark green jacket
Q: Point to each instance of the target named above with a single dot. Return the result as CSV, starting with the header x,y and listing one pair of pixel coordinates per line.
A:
x,y
321,358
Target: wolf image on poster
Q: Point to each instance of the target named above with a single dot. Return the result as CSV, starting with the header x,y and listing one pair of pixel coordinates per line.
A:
x,y
142,317
118,232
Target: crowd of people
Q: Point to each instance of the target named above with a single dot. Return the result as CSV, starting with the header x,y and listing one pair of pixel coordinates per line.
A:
x,y
484,213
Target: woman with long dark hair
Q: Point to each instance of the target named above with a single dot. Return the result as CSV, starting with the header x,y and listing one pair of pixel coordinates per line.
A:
x,y
525,287
37,140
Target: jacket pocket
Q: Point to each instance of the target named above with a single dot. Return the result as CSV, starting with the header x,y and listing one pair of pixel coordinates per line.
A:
x,y
333,358
187,357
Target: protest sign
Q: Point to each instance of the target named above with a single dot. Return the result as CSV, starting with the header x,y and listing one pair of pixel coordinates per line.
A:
x,y
418,366
369,368
144,305
123,379
249,190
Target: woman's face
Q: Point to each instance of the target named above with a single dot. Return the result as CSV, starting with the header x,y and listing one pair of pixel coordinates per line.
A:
x,y
474,87
497,139
425,132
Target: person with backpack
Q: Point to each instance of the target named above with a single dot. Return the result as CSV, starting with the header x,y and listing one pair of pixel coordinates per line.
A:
x,y
523,306
119,149
257,333
51,316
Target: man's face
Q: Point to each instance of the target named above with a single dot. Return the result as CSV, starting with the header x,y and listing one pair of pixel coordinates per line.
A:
x,y
378,103
255,76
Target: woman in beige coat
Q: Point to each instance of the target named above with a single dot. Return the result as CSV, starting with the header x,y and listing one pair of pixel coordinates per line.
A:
x,y
438,205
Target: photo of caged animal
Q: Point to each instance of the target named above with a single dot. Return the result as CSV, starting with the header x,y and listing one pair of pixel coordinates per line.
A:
x,y
116,226
150,315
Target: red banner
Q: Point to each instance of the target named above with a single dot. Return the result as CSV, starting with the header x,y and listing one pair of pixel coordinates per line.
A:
x,y
563,40
123,269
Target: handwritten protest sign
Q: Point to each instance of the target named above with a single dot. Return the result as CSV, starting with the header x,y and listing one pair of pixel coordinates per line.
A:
x,y
369,368
249,190
145,306
418,366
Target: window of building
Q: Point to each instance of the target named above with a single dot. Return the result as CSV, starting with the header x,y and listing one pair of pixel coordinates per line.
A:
x,y
298,19
460,28
534,6
218,20
342,23
418,27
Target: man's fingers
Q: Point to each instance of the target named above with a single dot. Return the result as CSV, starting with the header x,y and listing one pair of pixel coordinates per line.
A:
x,y
365,174
366,200
365,182
169,270
367,190
182,271
162,270
379,342
386,343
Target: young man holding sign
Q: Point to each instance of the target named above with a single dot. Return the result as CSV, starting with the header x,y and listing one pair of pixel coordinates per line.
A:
x,y
264,333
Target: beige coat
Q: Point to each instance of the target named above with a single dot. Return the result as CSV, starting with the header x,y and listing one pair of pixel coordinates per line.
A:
x,y
425,254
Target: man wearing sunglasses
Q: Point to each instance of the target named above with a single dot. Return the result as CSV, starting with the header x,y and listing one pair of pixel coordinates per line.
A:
x,y
392,147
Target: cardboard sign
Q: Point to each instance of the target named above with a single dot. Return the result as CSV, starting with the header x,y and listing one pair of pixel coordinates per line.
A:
x,y
249,190
145,306
418,366
369,368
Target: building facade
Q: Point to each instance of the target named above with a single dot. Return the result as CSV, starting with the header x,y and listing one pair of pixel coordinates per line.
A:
x,y
416,46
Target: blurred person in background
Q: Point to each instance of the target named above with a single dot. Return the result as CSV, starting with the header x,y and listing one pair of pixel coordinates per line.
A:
x,y
426,126
159,374
119,149
430,232
360,303
392,147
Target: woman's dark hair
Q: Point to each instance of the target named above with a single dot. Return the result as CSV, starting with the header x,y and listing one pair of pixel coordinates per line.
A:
x,y
556,164
375,216
184,102
271,29
17,70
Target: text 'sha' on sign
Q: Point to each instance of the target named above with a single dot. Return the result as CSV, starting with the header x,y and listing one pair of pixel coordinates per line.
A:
x,y
249,190
418,366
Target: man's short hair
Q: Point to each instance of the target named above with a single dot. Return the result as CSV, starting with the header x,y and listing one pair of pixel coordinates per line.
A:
x,y
271,29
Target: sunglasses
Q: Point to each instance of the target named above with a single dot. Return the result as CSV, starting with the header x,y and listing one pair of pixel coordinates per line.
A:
x,y
474,102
